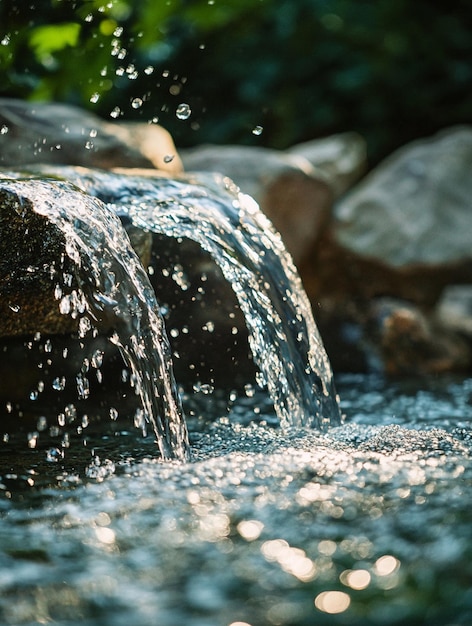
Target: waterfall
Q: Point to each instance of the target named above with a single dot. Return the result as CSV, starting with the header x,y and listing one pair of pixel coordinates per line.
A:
x,y
113,287
227,224
210,210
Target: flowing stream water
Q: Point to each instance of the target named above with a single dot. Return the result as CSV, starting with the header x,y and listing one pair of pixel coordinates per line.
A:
x,y
269,521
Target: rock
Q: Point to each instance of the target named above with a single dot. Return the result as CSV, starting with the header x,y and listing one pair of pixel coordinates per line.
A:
x,y
403,232
152,141
342,158
409,342
414,208
292,193
31,250
63,134
454,309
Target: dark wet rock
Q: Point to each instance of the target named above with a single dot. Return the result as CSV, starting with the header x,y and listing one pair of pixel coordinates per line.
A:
x,y
410,342
31,254
63,134
295,196
342,158
391,336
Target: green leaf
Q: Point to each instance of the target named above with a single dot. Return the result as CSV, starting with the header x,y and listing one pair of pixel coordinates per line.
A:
x,y
50,38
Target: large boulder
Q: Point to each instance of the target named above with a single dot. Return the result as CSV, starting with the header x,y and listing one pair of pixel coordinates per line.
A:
x,y
63,134
295,196
414,208
404,230
404,233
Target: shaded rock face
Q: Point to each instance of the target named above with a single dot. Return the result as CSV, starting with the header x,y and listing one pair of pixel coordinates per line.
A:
x,y
63,134
39,345
31,254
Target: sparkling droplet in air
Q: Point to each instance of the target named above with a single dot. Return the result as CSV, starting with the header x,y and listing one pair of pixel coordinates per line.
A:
x,y
169,158
136,103
95,97
183,111
257,130
53,455
42,423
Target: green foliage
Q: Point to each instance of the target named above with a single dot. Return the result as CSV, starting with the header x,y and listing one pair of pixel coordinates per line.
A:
x,y
50,38
299,68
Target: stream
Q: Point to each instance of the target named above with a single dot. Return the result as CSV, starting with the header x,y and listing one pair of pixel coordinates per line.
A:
x,y
293,501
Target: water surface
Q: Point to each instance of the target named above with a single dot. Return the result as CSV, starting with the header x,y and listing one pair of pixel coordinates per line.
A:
x,y
368,523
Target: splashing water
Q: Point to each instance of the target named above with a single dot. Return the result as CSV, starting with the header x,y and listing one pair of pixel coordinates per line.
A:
x,y
229,225
113,287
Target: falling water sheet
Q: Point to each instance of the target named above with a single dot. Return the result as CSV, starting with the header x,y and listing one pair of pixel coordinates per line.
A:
x,y
210,210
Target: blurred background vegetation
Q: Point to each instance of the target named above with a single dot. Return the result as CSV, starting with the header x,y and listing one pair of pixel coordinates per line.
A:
x,y
265,72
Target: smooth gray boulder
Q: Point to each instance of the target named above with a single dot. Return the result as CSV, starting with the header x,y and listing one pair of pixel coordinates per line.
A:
x,y
415,208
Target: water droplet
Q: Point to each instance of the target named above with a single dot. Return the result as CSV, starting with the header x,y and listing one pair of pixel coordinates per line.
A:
x,y
95,97
14,307
32,440
204,388
136,103
169,158
149,69
5,41
183,111
42,423
53,455
257,130
115,113
113,414
249,390
97,358
4,130
59,383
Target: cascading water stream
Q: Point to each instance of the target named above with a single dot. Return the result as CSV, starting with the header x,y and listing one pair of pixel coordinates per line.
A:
x,y
229,225
113,287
